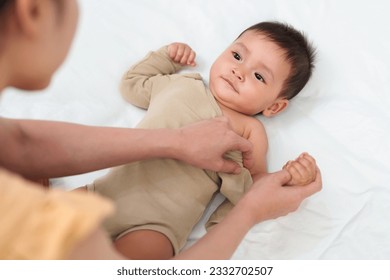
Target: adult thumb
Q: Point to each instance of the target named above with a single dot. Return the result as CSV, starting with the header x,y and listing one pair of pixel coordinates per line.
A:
x,y
282,177
230,166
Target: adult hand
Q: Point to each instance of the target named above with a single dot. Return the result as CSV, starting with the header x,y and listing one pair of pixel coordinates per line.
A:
x,y
269,198
204,144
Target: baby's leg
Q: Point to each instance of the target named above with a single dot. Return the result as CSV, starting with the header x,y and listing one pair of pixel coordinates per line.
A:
x,y
80,189
144,245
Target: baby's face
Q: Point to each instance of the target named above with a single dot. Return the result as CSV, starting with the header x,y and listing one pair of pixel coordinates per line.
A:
x,y
249,75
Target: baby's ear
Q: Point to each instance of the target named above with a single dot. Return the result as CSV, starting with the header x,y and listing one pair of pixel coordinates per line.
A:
x,y
278,106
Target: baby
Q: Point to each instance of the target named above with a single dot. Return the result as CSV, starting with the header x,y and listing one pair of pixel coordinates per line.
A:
x,y
159,201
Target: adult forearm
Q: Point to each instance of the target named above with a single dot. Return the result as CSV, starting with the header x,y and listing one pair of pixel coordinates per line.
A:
x,y
39,149
54,149
223,239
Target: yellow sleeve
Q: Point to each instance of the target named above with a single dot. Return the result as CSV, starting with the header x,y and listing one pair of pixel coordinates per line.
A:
x,y
44,224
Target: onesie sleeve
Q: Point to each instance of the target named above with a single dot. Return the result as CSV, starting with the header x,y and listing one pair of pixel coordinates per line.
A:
x,y
233,188
147,76
45,224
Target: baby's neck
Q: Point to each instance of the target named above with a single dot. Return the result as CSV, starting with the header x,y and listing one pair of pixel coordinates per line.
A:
x,y
237,120
229,112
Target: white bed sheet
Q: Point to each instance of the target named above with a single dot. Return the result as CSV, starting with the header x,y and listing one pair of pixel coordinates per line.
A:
x,y
341,117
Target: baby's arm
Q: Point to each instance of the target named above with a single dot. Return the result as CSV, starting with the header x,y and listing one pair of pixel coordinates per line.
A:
x,y
148,76
302,170
255,132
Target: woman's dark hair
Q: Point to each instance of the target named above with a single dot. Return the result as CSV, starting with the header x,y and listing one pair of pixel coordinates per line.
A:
x,y
3,3
298,51
4,7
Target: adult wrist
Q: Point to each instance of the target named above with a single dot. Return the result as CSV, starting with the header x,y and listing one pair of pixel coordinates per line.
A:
x,y
251,215
169,143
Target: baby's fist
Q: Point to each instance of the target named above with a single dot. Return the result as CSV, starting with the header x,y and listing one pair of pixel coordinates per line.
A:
x,y
182,53
302,170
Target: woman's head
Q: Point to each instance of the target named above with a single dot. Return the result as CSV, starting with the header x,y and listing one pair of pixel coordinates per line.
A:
x,y
35,37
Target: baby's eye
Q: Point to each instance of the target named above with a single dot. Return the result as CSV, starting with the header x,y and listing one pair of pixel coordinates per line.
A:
x,y
259,77
236,56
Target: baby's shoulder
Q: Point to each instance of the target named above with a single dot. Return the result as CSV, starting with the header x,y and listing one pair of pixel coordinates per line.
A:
x,y
256,134
253,127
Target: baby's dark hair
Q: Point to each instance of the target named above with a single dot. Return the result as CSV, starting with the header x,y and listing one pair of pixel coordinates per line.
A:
x,y
298,51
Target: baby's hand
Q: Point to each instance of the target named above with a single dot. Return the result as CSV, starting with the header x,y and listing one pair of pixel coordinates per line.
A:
x,y
302,170
182,53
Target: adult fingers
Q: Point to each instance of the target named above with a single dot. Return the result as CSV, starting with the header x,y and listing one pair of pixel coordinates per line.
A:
x,y
238,143
246,148
311,188
282,177
224,120
241,144
229,166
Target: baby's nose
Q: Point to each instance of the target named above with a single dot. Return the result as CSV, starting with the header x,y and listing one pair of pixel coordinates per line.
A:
x,y
238,74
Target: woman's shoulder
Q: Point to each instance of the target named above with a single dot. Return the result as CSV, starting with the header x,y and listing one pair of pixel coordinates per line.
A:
x,y
37,223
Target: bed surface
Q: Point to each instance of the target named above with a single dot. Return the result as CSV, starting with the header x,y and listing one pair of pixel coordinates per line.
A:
x,y
341,117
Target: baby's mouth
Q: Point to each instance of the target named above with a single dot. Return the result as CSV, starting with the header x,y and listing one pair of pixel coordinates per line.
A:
x,y
230,84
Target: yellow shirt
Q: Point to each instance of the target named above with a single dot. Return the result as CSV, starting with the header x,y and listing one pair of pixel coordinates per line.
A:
x,y
44,224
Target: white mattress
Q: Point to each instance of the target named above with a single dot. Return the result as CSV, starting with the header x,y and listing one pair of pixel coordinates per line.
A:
x,y
341,117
